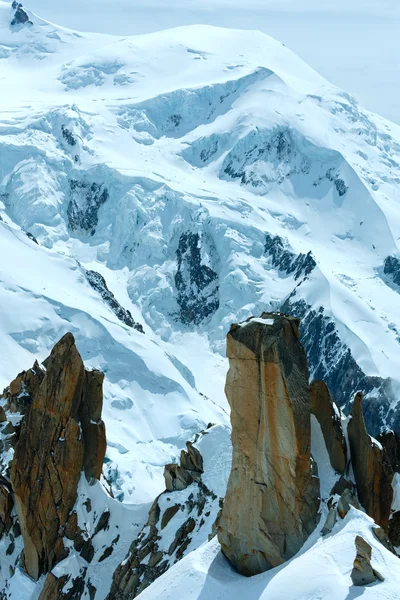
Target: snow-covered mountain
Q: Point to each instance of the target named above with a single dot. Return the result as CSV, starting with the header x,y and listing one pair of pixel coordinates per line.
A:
x,y
156,188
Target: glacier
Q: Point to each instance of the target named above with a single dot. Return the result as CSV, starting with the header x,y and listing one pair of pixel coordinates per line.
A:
x,y
204,175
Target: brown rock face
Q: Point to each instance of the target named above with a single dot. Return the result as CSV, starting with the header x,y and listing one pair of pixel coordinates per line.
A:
x,y
23,388
323,407
61,435
272,501
372,469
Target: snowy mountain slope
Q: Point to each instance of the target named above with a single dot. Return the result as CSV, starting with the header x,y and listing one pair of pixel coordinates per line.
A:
x,y
321,570
178,182
43,295
164,161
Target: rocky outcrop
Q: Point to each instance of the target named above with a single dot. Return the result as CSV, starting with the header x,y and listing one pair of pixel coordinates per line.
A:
x,y
363,573
196,282
330,360
272,501
328,416
178,515
299,265
178,477
21,391
20,17
372,469
98,283
392,268
68,135
61,434
84,205
390,442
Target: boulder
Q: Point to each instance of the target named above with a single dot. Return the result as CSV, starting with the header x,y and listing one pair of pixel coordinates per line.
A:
x,y
346,500
363,573
328,416
330,521
272,500
372,469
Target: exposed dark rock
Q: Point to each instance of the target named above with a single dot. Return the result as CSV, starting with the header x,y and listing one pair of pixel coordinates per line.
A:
x,y
182,538
363,573
107,552
61,434
328,416
300,265
149,555
56,588
346,500
331,361
99,284
196,282
277,147
339,183
20,16
394,528
169,514
272,501
92,590
87,551
68,136
9,429
85,202
103,523
372,470
32,237
392,268
390,442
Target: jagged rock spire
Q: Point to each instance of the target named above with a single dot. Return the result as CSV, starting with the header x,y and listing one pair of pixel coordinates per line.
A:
x,y
272,500
371,466
61,434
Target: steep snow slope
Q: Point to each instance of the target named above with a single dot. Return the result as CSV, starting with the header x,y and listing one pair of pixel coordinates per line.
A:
x,y
320,570
169,163
369,71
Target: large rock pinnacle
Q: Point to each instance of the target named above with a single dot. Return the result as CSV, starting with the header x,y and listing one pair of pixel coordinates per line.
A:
x,y
62,434
272,500
372,468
